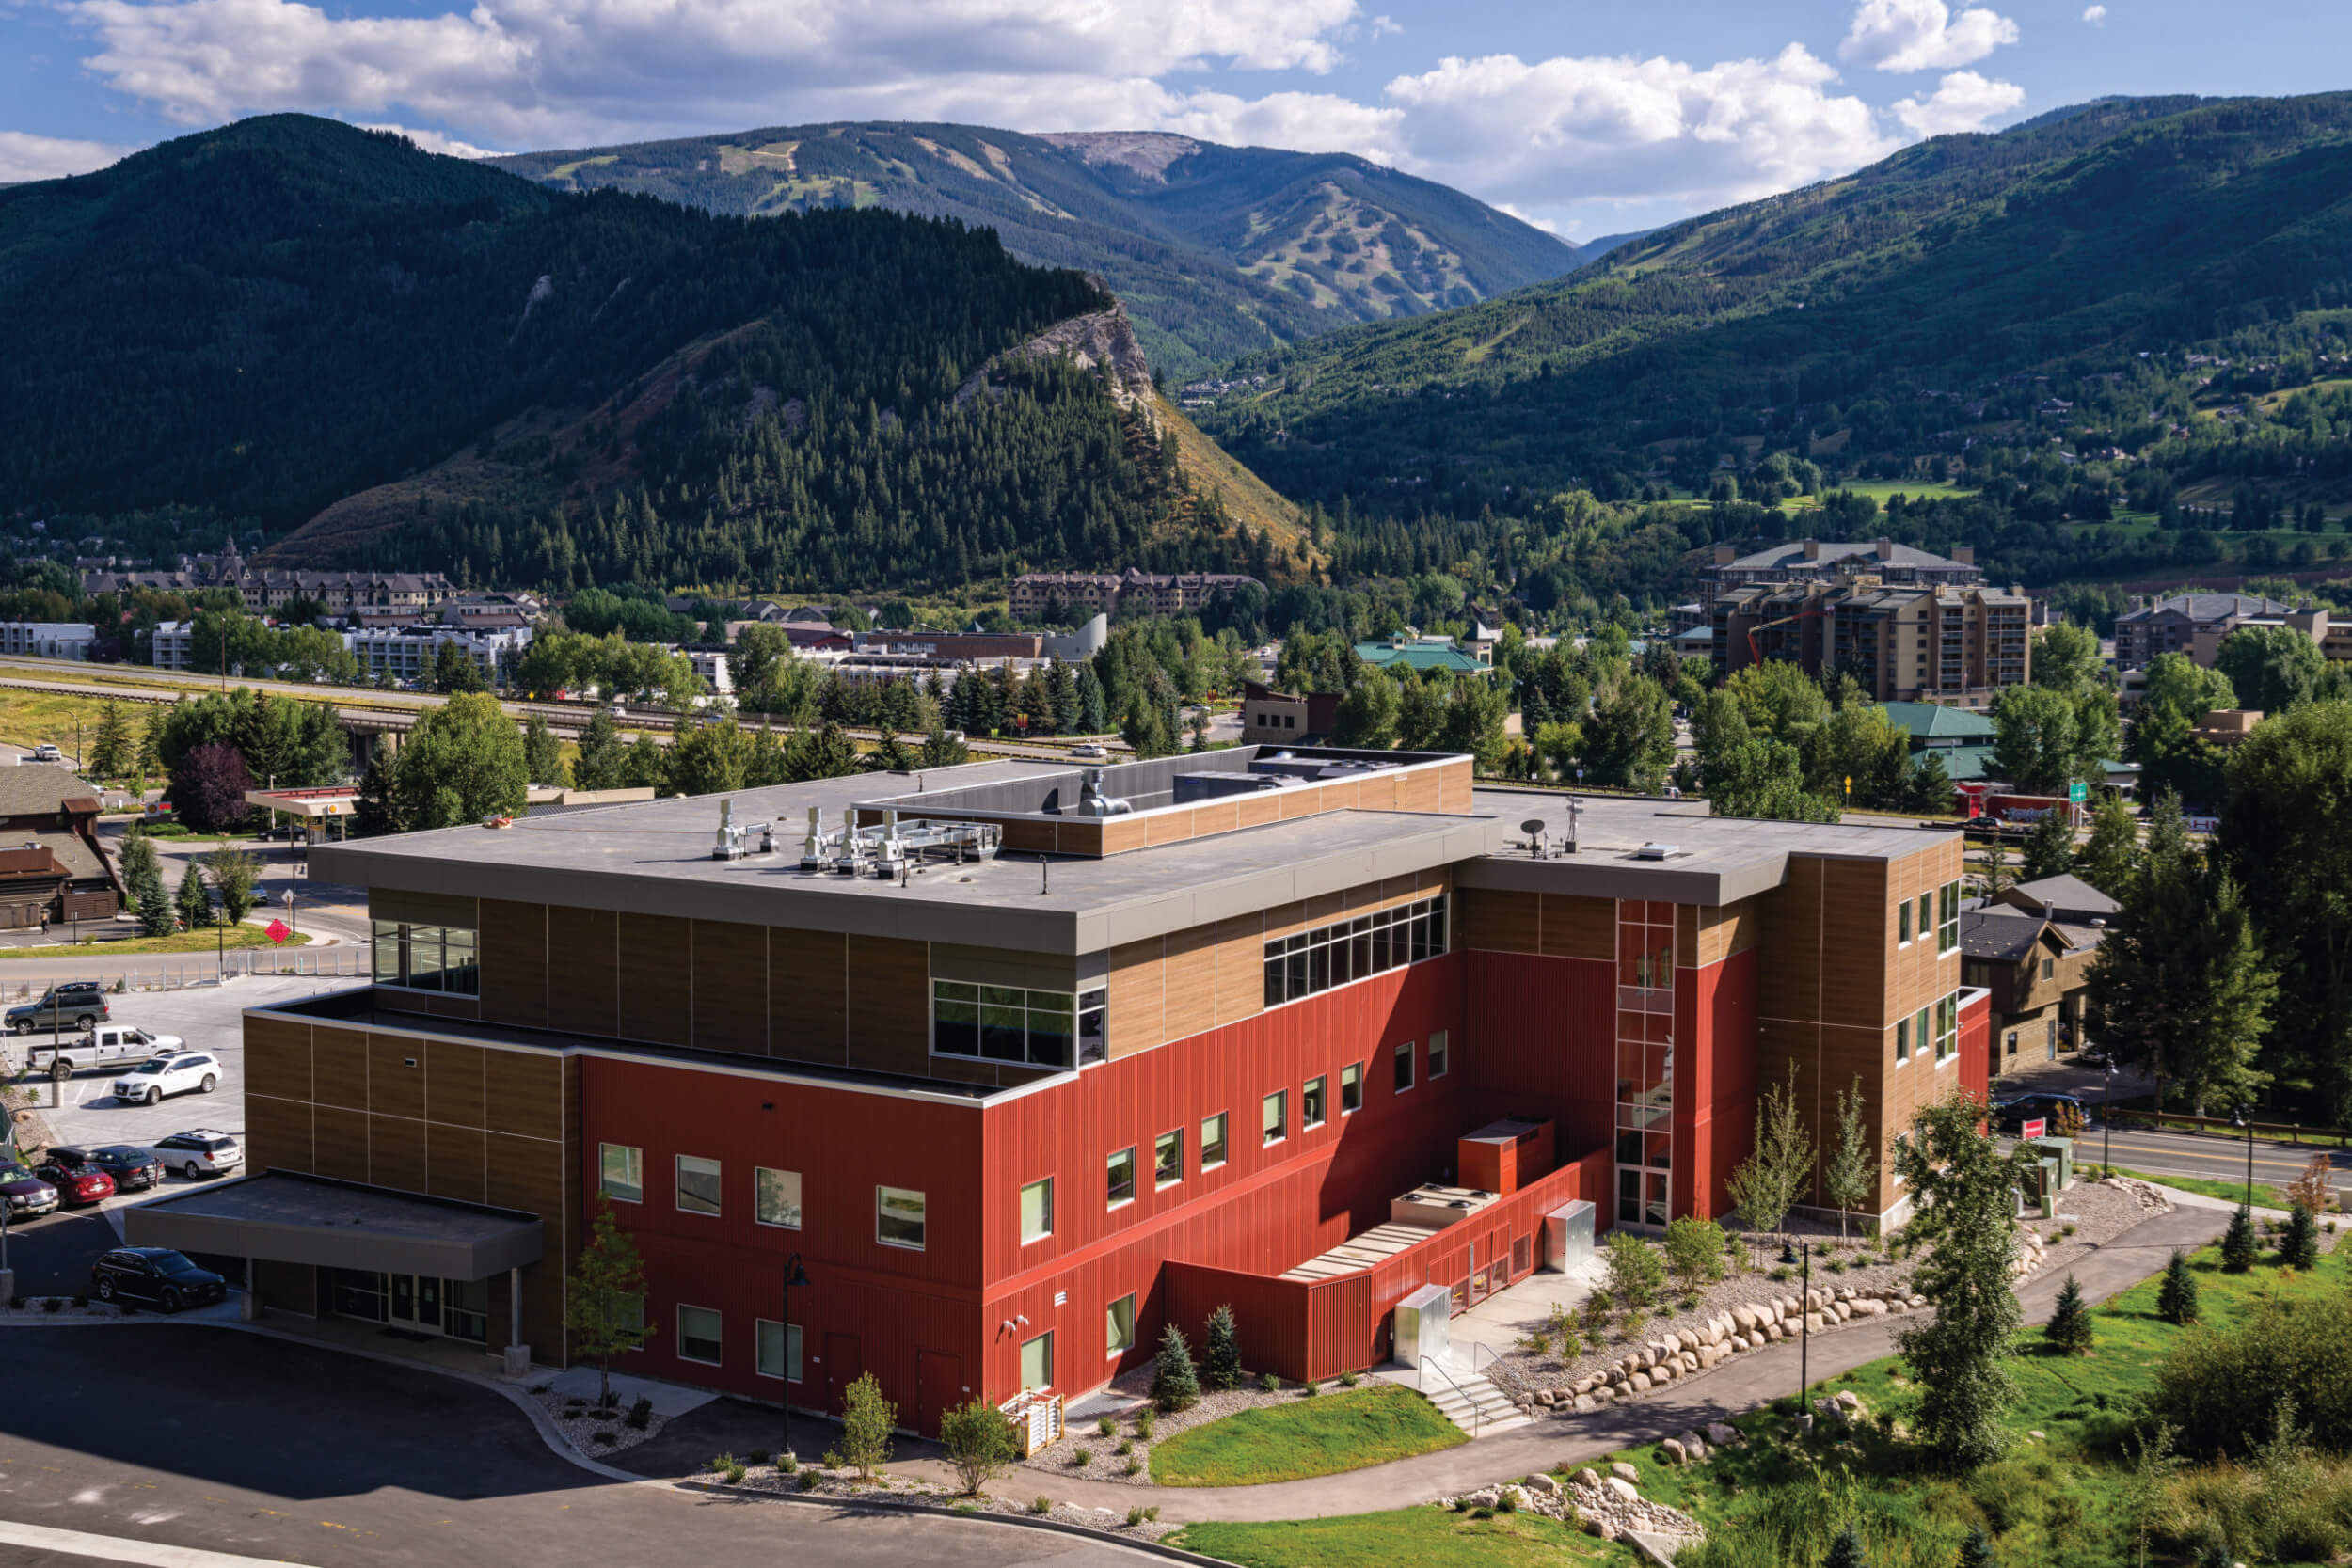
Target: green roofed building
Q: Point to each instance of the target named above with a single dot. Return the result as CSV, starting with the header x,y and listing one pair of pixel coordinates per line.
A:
x,y
1963,739
1422,653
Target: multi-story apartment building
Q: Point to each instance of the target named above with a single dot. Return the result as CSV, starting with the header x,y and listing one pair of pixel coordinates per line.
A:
x,y
47,639
1162,593
1902,643
1799,560
406,652
1016,1062
2196,624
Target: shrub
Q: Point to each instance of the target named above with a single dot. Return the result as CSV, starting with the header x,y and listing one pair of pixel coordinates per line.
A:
x,y
1269,1384
1220,1352
1133,1466
2176,1298
641,1415
1126,1446
833,1459
980,1442
726,1463
758,1456
787,1461
1308,1390
1135,1516
1694,1253
1174,1385
81,1298
2217,1388
1835,1265
1082,1457
867,1419
1145,1422
1631,1270
1783,1273
1635,1321
1349,1380
1105,1426
2237,1242
808,1481
1537,1344
2068,1228
1040,1504
605,1437
55,1304
1507,1500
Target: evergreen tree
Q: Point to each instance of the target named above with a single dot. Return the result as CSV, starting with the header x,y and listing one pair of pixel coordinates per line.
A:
x,y
2070,1327
1845,1551
2107,858
113,751
598,763
939,751
377,811
149,761
2176,1297
890,756
1174,1385
1094,712
2237,1242
823,752
645,765
543,754
195,905
142,874
2050,848
2298,1248
1976,1551
1220,1352
155,911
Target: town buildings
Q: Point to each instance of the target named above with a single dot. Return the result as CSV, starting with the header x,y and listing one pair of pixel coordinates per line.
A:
x,y
268,587
402,651
1019,1062
1035,594
2029,948
2196,624
47,639
52,869
1802,561
1903,643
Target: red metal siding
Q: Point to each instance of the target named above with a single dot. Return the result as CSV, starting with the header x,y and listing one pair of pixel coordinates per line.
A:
x,y
1714,1114
1976,1046
1541,1043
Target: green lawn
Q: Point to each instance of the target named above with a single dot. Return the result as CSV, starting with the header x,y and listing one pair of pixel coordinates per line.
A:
x,y
179,942
1408,1537
2265,1195
1305,1438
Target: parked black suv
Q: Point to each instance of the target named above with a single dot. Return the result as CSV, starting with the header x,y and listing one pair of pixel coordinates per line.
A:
x,y
155,1275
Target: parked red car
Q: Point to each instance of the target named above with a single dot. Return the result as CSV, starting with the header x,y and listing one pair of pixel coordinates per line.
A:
x,y
78,1186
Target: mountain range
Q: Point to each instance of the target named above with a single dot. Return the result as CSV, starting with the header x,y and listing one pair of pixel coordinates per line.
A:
x,y
1216,251
2070,244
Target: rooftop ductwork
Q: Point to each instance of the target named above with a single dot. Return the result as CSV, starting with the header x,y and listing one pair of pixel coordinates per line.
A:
x,y
1093,802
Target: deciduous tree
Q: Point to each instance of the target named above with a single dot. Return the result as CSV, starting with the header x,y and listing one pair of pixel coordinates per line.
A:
x,y
605,1308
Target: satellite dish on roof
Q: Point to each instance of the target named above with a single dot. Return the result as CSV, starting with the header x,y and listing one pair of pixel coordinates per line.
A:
x,y
1532,827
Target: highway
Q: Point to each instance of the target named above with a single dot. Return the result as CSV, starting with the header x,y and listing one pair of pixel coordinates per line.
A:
x,y
2208,1155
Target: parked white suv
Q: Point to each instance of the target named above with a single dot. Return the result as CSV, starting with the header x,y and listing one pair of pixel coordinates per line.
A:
x,y
202,1151
150,1082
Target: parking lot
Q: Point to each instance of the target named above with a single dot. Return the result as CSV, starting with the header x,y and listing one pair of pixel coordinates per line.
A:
x,y
53,1253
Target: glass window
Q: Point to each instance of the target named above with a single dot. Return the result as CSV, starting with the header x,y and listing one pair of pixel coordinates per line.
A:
x,y
1354,949
1403,1066
1213,1141
698,1335
2049,967
1903,921
697,1185
1119,1327
1902,1040
779,1350
1351,1087
1436,1054
1168,1158
1009,1023
776,1197
427,957
1120,1180
1948,924
1037,1362
1310,1103
1037,1210
1274,1116
1925,917
623,1172
899,1217
1094,1026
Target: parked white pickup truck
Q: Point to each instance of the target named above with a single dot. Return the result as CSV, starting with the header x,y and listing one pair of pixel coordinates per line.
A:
x,y
108,1045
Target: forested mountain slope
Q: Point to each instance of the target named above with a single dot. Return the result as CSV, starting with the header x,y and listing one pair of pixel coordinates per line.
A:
x,y
267,320
2070,244
1217,250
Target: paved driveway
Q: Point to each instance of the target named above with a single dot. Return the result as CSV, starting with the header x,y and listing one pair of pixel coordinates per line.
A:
x,y
228,1442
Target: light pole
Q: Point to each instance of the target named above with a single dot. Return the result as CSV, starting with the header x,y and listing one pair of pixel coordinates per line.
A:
x,y
794,1279
2106,1123
1801,1255
2242,1118
293,919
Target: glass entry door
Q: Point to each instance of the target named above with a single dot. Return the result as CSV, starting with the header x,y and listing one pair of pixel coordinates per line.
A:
x,y
414,1303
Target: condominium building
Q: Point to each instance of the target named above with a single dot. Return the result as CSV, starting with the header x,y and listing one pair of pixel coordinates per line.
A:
x,y
1902,643
1016,1062
2196,624
1034,594
1800,561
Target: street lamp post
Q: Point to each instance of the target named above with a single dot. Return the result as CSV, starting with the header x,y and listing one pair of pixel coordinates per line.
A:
x,y
2243,1118
1802,1254
794,1279
294,919
2106,1123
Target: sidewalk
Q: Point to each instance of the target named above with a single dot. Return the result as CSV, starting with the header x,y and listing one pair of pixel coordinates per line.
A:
x,y
1738,1385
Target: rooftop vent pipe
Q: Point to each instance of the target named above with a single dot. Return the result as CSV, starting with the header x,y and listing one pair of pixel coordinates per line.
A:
x,y
1093,802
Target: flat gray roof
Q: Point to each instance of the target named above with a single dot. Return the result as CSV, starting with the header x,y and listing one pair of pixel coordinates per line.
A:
x,y
654,857
282,1217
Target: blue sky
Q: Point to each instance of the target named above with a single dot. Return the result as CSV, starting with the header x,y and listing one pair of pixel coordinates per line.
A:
x,y
1589,116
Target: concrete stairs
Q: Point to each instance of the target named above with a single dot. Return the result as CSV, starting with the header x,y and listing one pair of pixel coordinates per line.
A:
x,y
1471,1402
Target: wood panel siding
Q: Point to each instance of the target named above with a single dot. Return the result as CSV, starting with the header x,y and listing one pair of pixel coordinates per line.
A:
x,y
1421,790
453,1162
525,1094
1570,927
339,1066
890,1016
515,963
1240,968
655,967
1454,787
277,1133
1792,981
395,1076
1256,811
1499,922
1137,997
730,987
582,985
396,1154
1188,982
807,995
452,1083
1855,943
339,1143
278,1058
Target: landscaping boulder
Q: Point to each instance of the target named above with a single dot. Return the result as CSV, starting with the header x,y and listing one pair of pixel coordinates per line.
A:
x,y
1626,1473
1621,1487
1588,1477
1871,1308
1695,1446
1721,1435
1744,1320
1485,1497
1674,1450
1547,1484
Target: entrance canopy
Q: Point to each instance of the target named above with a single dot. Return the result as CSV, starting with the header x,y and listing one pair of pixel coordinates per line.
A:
x,y
314,804
281,1217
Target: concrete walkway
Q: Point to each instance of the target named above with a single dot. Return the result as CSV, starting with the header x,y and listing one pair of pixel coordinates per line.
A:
x,y
1739,1384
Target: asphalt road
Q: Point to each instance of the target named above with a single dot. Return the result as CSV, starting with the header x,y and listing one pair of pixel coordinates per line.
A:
x,y
225,1442
2214,1158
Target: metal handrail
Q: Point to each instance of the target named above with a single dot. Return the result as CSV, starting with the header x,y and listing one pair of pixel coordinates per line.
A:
x,y
1492,1355
1478,1414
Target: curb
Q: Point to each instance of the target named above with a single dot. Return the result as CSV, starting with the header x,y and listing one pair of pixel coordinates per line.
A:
x,y
1022,1521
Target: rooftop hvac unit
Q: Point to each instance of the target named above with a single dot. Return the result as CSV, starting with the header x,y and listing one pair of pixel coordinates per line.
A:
x,y
1654,851
1093,802
1421,1325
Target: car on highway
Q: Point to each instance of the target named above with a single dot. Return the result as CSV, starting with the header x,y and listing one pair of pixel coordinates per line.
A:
x,y
26,1194
179,1074
79,1185
78,1004
132,1169
47,751
2010,1115
157,1275
201,1152
1090,749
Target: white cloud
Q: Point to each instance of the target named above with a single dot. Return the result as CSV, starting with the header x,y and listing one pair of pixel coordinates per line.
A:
x,y
436,141
26,156
1963,101
2096,15
1922,35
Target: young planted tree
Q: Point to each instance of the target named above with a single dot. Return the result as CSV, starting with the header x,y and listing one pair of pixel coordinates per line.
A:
x,y
1976,1551
2176,1296
234,873
1766,1185
154,911
1220,1352
1631,1271
1845,1550
142,874
2298,1248
979,1443
1965,1188
2069,1329
1694,1253
113,751
605,1308
2237,1242
1174,1385
1849,1175
2050,848
598,764
543,754
867,1420
194,906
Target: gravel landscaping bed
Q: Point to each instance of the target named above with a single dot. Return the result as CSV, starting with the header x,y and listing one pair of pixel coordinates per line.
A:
x,y
1133,1391
598,1435
1680,1341
886,1490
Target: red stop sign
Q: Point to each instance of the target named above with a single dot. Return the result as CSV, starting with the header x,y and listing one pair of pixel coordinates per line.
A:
x,y
278,931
